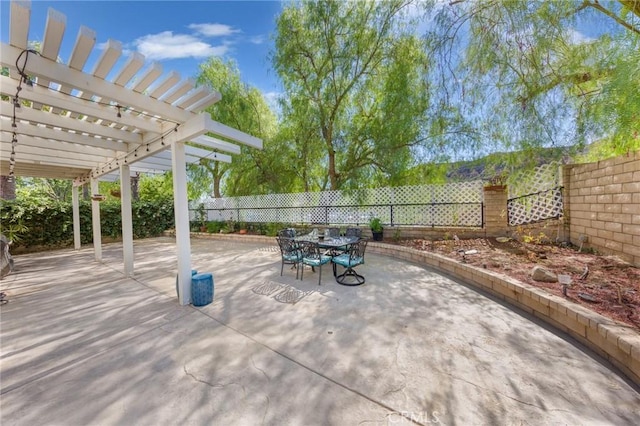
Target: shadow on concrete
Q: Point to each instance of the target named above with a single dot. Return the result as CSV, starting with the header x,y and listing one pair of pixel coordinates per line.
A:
x,y
82,344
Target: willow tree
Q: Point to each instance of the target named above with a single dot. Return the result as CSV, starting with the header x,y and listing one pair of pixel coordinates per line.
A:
x,y
520,74
353,77
242,107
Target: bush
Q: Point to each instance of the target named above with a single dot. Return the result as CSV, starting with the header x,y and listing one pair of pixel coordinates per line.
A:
x,y
50,224
214,227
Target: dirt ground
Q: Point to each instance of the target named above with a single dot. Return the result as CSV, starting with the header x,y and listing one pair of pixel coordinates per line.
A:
x,y
604,284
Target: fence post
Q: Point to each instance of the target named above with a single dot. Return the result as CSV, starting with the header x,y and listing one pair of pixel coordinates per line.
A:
x,y
391,206
495,210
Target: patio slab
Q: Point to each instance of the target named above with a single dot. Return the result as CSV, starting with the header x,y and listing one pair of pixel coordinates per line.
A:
x,y
80,344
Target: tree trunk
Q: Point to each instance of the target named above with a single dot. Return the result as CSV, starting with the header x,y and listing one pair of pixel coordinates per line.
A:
x,y
7,188
135,182
216,186
327,134
333,177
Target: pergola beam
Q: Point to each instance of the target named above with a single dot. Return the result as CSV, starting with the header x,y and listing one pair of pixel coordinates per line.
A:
x,y
19,25
61,122
33,169
190,129
62,74
215,143
63,101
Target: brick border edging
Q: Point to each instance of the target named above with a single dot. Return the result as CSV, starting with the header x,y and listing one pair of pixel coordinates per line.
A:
x,y
616,342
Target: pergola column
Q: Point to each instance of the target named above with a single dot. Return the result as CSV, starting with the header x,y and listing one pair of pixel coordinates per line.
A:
x,y
180,202
75,207
95,221
127,221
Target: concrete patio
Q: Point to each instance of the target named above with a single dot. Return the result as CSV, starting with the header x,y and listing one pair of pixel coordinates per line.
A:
x,y
83,345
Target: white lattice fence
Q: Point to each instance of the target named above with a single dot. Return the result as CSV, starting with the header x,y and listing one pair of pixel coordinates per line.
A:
x,y
455,204
535,196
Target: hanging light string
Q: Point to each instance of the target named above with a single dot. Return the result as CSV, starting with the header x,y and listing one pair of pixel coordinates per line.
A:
x,y
24,78
134,152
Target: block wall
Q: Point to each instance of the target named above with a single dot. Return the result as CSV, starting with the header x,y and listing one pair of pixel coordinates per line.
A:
x,y
602,206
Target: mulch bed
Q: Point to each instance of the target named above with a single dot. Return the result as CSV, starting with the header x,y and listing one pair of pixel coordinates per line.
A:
x,y
604,284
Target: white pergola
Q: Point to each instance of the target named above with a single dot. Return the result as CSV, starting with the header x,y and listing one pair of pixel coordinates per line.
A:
x,y
58,121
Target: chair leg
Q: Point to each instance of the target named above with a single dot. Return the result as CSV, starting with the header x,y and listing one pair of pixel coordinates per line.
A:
x,y
282,268
320,274
343,278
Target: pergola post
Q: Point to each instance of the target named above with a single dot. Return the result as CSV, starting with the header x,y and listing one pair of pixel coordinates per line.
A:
x,y
95,221
75,207
127,221
180,202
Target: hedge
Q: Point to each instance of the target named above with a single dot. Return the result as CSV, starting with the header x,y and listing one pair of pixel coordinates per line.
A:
x,y
50,225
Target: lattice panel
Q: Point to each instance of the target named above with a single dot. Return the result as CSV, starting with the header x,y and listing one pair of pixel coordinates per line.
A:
x,y
395,205
542,178
535,207
439,215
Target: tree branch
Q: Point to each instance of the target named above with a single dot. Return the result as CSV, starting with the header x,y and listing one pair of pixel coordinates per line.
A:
x,y
635,8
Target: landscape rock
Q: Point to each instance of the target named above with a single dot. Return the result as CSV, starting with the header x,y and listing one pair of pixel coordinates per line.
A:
x,y
542,274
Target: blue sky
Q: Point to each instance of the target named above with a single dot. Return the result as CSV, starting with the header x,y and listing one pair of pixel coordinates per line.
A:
x,y
177,34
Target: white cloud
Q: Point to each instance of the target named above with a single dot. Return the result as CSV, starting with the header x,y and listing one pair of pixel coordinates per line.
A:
x,y
259,39
272,96
213,30
166,45
576,37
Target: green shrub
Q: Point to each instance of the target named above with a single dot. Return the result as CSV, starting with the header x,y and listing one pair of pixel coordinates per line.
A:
x,y
214,227
50,224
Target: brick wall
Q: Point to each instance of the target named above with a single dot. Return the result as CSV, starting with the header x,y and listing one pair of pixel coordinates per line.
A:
x,y
602,203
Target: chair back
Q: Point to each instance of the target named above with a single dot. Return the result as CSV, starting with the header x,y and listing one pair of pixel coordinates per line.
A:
x,y
288,246
287,233
353,232
333,232
357,249
309,250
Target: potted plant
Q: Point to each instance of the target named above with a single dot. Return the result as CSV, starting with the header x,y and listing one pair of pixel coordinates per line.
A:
x,y
376,228
243,228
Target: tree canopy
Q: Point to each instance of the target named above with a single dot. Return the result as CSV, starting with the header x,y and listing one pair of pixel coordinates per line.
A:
x,y
520,75
355,91
244,108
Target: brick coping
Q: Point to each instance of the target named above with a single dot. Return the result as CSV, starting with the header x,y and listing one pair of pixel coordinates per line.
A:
x,y
614,341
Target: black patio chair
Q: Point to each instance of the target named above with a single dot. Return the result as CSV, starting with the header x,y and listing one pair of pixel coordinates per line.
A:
x,y
287,233
333,232
313,256
353,232
353,257
289,252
